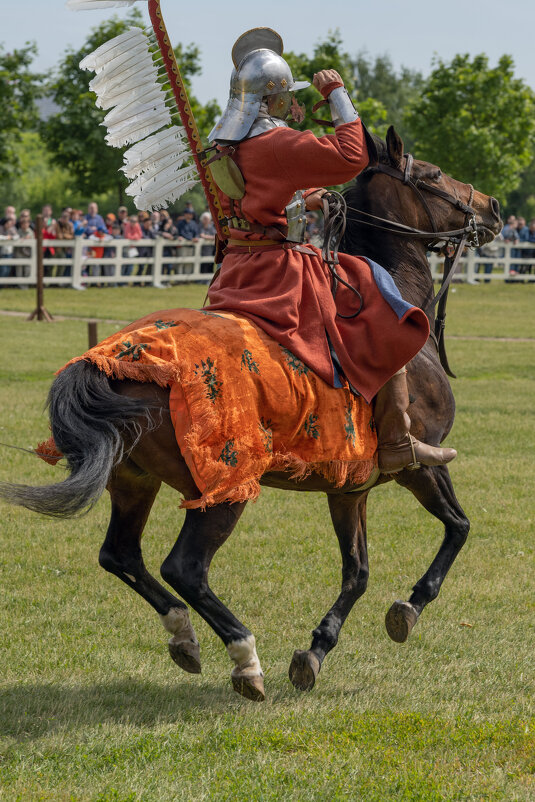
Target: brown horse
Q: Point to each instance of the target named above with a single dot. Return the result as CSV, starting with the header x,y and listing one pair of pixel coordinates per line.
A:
x,y
118,435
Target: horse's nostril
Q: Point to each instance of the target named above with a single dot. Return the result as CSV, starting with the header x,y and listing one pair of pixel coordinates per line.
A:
x,y
495,206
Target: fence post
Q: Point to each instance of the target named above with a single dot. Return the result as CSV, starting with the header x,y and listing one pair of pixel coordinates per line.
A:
x,y
157,255
77,259
40,311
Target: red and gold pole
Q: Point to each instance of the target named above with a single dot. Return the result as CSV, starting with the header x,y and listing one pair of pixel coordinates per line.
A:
x,y
188,120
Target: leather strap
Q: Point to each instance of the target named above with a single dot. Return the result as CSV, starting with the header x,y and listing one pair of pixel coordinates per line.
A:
x,y
253,243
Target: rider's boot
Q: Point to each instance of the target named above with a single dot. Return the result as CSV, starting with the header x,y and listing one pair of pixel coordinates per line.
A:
x,y
397,449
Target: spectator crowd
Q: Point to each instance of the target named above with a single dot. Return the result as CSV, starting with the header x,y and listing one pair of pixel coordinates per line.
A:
x,y
182,230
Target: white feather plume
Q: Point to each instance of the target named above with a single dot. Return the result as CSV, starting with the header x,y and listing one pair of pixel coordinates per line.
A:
x,y
84,5
98,57
159,161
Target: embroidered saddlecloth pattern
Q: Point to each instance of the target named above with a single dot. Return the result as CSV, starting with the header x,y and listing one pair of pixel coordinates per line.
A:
x,y
240,404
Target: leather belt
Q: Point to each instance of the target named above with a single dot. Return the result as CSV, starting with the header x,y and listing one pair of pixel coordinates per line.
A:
x,y
254,244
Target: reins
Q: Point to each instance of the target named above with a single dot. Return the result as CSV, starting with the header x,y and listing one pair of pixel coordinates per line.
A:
x,y
334,226
465,236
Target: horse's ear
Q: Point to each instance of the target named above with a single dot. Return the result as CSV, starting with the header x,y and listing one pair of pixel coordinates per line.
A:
x,y
394,145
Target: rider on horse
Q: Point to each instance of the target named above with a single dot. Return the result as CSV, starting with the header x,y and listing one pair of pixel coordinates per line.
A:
x,y
346,324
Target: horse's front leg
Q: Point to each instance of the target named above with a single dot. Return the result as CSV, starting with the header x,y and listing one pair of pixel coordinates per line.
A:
x,y
186,570
434,490
132,494
348,514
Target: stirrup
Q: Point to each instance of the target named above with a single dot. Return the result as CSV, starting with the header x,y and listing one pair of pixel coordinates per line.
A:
x,y
414,465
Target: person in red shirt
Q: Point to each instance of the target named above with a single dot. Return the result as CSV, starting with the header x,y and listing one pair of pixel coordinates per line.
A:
x,y
269,276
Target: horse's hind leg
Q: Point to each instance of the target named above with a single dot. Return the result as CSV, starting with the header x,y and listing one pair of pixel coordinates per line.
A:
x,y
186,570
434,490
348,513
132,495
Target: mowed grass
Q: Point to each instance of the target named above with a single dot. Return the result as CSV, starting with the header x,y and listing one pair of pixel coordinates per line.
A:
x,y
91,706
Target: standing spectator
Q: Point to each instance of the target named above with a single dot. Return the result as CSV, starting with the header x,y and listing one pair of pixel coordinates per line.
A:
x,y
491,249
167,231
26,232
189,208
207,234
50,232
8,234
131,231
531,253
147,251
510,234
25,215
122,216
78,222
65,231
523,236
510,231
110,221
94,221
187,227
9,214
156,219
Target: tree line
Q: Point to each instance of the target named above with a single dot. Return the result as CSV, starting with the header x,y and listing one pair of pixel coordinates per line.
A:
x,y
474,120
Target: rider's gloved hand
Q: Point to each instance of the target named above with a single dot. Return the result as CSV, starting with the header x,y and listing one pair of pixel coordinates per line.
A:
x,y
327,80
314,201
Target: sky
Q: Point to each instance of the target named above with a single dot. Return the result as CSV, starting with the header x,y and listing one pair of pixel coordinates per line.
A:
x,y
411,32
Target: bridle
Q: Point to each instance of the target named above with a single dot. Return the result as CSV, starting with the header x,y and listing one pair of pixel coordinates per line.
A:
x,y
467,236
420,186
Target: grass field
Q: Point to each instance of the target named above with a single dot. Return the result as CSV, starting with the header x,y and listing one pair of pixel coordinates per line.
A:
x,y
91,706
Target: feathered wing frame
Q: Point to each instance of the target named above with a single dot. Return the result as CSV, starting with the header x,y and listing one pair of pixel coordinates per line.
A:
x,y
131,83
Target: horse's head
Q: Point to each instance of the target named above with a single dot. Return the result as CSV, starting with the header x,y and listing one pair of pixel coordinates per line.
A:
x,y
425,199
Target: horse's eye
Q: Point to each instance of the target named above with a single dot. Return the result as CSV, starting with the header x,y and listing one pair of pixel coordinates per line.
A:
x,y
438,175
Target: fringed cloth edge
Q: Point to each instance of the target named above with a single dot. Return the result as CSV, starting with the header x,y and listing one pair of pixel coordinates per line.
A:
x,y
163,375
156,350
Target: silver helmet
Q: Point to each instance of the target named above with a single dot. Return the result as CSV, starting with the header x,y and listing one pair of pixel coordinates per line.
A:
x,y
259,71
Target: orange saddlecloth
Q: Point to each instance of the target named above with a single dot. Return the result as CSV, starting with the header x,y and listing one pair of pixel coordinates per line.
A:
x,y
241,405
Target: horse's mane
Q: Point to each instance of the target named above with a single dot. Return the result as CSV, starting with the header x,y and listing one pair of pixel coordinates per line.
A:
x,y
356,196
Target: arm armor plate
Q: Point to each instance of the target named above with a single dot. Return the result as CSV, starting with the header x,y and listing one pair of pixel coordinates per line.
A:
x,y
342,108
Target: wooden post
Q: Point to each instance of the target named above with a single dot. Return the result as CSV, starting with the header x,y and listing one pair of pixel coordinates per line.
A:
x,y
40,311
92,334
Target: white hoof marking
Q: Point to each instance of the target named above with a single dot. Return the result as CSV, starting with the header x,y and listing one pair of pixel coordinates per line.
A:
x,y
178,624
243,653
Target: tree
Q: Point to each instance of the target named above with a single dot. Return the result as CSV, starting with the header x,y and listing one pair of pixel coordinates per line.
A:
x,y
377,80
328,54
522,200
74,135
19,89
476,122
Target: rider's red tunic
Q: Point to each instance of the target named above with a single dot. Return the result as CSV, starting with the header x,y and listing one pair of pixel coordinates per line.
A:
x,y
288,293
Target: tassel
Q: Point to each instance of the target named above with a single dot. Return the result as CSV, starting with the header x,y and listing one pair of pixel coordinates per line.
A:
x,y
151,147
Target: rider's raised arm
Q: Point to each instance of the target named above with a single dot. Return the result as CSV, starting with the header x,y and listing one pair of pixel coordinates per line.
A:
x,y
306,161
334,159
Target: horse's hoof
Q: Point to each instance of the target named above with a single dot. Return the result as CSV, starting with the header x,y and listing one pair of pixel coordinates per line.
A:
x,y
251,688
304,669
186,654
400,620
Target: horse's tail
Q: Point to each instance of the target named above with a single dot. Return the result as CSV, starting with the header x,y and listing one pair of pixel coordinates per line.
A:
x,y
90,424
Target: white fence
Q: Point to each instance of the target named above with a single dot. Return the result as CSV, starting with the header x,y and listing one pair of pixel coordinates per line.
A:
x,y
169,261
83,262
510,263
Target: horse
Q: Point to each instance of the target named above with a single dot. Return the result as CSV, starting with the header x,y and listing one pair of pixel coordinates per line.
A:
x,y
118,435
